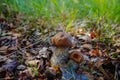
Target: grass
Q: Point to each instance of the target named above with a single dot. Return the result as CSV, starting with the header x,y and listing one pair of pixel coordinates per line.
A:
x,y
68,11
68,8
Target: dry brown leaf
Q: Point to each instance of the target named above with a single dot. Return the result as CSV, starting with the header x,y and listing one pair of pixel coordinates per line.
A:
x,y
57,69
81,31
89,46
91,64
3,49
96,52
32,62
27,54
93,35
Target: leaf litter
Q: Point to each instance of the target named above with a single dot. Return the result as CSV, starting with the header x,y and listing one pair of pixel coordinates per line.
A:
x,y
26,52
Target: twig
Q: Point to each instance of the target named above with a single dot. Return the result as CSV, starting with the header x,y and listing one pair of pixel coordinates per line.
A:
x,y
103,71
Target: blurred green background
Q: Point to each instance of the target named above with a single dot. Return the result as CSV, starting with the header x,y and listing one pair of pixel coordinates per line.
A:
x,y
102,12
67,9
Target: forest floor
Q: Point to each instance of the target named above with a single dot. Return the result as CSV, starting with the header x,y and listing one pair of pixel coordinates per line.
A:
x,y
25,52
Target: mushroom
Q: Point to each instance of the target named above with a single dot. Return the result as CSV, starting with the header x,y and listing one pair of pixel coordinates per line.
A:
x,y
62,39
76,56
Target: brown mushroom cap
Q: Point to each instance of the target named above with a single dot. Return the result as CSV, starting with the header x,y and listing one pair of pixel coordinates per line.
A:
x,y
76,56
62,39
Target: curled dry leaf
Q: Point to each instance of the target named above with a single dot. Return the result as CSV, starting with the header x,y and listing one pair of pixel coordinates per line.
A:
x,y
21,67
32,62
88,46
57,69
86,37
3,58
14,33
3,49
62,39
76,56
96,52
92,35
81,31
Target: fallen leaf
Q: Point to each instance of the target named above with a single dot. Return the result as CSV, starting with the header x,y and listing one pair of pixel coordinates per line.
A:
x,y
21,67
96,52
32,62
3,50
81,31
93,35
88,46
